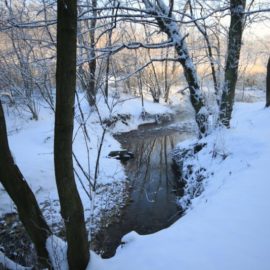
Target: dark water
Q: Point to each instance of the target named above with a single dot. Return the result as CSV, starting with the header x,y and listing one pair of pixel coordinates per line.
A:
x,y
154,185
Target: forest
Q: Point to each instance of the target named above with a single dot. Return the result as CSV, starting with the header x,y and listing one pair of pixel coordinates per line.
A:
x,y
134,135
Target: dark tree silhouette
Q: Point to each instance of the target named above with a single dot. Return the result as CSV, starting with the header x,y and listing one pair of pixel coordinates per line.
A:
x,y
268,84
71,205
237,9
21,194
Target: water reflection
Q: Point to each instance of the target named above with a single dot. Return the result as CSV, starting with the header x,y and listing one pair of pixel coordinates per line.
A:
x,y
153,183
154,186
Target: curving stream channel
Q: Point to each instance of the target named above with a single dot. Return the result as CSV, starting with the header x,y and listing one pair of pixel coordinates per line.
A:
x,y
154,185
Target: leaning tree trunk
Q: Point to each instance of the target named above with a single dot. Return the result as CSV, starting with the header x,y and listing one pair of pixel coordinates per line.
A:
x,y
237,8
167,24
21,194
71,205
268,84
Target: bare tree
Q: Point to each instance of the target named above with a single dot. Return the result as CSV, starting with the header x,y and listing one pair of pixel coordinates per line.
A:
x,y
237,9
268,84
166,22
202,28
71,205
112,25
169,76
21,194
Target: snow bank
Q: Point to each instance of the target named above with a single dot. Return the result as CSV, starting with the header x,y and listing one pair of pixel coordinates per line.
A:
x,y
132,106
57,250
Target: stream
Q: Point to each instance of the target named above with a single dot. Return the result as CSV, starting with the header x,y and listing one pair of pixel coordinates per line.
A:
x,y
154,185
153,190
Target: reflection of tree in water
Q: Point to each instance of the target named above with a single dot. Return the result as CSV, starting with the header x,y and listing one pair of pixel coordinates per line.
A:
x,y
153,198
150,173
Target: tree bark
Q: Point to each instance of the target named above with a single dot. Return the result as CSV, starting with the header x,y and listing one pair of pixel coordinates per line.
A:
x,y
21,194
167,25
268,84
92,64
71,205
237,8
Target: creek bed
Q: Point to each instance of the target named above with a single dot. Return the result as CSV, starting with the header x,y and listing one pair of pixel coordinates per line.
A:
x,y
154,185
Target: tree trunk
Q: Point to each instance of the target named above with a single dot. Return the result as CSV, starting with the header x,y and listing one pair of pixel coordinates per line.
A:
x,y
167,25
71,205
23,197
237,8
108,59
92,87
268,84
203,31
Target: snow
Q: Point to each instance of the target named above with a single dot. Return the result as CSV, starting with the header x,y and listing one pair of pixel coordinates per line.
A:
x,y
9,264
227,226
130,105
31,143
57,250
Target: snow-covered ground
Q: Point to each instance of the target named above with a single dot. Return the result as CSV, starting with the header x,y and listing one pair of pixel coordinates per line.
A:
x,y
228,226
31,143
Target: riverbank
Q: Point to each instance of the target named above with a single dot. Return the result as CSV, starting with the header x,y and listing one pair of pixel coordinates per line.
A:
x,y
31,143
227,226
